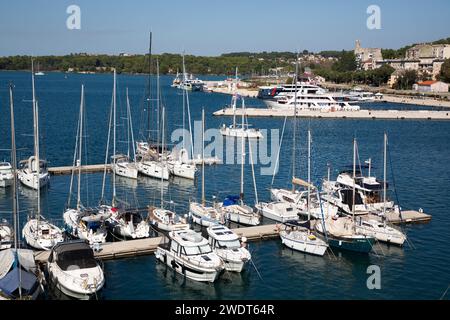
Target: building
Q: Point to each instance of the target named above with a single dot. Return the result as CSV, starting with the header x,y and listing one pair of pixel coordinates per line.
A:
x,y
367,58
431,86
428,51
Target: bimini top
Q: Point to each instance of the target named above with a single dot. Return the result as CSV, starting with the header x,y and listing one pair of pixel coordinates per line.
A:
x,y
73,255
188,238
221,233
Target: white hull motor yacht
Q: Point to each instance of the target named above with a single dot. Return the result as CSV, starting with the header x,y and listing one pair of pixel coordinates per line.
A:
x,y
6,235
6,174
205,215
190,255
41,234
127,224
27,173
74,270
298,236
239,212
278,211
86,224
227,246
166,220
310,102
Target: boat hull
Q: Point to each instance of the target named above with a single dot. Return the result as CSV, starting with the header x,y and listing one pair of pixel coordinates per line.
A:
x,y
315,248
154,169
30,180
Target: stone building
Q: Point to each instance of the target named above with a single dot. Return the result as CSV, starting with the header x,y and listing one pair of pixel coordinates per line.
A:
x,y
367,58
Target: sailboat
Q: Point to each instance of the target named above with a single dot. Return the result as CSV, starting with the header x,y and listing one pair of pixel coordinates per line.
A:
x,y
341,232
200,212
298,236
6,174
39,73
233,208
124,165
161,218
33,172
19,275
38,233
122,222
179,163
6,235
151,164
380,230
81,222
234,130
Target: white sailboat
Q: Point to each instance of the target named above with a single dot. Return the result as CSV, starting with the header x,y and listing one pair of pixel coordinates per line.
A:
x,y
380,230
235,209
125,165
6,235
200,212
20,278
234,130
38,233
6,174
122,222
81,222
227,246
162,218
33,172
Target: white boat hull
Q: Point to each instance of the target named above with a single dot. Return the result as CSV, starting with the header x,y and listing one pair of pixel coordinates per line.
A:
x,y
303,244
241,215
41,242
128,171
70,219
30,180
239,133
153,169
183,170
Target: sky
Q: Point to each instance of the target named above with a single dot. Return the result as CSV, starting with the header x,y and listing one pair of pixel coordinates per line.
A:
x,y
212,27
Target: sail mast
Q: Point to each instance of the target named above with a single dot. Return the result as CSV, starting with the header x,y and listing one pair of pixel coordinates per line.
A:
x,y
295,124
354,178
242,154
149,100
162,152
203,157
188,108
385,176
235,99
309,174
114,141
80,148
158,102
131,127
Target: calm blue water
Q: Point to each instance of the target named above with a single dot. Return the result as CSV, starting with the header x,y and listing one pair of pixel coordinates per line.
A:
x,y
420,151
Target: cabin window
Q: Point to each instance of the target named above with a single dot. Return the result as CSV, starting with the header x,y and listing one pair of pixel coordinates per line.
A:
x,y
230,244
174,247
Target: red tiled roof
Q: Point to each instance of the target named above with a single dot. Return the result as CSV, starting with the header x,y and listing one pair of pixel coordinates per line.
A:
x,y
427,83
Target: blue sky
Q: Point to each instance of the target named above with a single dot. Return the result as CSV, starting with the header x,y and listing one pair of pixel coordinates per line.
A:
x,y
213,27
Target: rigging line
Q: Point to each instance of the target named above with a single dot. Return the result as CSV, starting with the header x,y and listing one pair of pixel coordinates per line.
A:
x,y
252,166
275,170
393,181
74,163
102,198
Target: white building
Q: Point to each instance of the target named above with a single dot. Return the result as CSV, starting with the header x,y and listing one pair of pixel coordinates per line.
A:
x,y
431,86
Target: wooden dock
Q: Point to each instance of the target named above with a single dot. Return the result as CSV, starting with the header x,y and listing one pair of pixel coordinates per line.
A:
x,y
92,168
407,216
140,247
362,114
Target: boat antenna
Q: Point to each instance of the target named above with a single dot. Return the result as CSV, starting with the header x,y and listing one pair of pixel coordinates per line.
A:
x,y
15,197
295,124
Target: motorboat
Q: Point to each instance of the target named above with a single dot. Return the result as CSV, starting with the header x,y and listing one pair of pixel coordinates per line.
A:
x,y
74,270
298,236
278,211
190,255
6,174
227,246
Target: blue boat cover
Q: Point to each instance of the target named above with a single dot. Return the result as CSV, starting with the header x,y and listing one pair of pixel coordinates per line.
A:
x,y
10,283
230,200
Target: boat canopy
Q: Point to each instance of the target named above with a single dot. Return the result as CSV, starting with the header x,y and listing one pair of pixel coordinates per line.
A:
x,y
73,255
230,200
7,259
10,283
296,223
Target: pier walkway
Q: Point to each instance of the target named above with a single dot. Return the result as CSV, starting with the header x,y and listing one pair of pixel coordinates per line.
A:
x,y
362,114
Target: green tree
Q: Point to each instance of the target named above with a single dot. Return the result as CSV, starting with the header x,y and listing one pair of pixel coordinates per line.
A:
x,y
444,75
406,80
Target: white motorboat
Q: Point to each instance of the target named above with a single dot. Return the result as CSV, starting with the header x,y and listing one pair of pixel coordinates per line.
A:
x,y
227,246
278,211
190,255
74,270
41,234
6,235
298,236
166,220
6,174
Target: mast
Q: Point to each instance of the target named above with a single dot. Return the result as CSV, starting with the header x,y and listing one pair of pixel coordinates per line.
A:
x,y
242,154
295,124
188,108
162,150
80,148
309,173
203,157
370,165
15,198
235,99
149,106
36,143
131,127
157,102
385,176
114,141
354,178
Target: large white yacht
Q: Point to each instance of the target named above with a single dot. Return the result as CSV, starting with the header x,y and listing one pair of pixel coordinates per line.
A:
x,y
310,101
